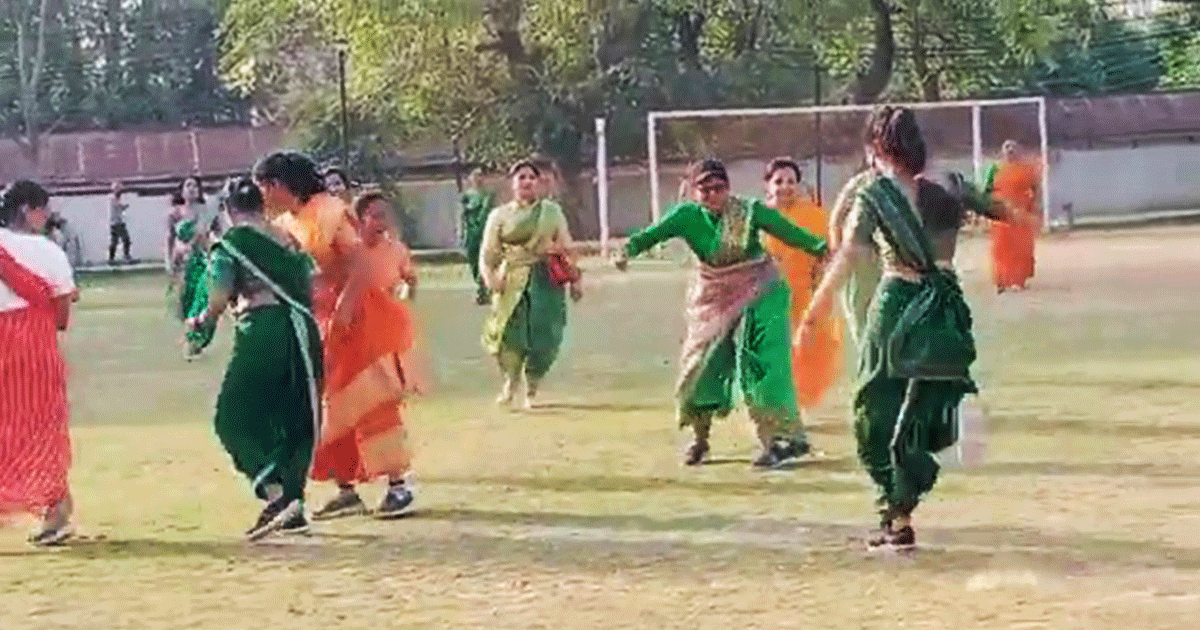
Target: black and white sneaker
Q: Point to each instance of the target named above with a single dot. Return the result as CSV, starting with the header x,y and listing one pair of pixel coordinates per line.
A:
x,y
52,536
768,460
790,449
697,453
902,539
273,517
297,525
395,501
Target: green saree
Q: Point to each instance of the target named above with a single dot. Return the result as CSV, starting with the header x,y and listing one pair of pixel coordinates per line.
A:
x,y
269,408
738,328
529,313
914,359
475,207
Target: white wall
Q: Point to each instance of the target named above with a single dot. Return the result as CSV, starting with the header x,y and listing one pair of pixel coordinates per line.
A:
x,y
1096,182
87,217
1103,182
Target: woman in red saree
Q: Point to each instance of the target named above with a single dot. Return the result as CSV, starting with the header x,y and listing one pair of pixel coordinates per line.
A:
x,y
363,330
1015,183
36,291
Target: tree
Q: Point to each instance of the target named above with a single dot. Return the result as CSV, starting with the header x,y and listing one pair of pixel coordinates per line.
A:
x,y
930,49
30,21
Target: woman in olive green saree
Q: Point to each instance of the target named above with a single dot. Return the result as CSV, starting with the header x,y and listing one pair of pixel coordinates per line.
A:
x,y
269,408
522,241
917,347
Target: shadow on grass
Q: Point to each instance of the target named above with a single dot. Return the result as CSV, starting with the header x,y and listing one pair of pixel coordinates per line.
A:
x,y
700,544
1096,469
621,483
551,407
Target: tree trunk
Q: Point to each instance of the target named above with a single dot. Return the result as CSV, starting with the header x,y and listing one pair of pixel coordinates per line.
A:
x,y
874,80
29,76
112,60
928,79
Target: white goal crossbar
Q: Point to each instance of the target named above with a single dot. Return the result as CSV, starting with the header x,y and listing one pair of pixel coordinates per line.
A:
x,y
976,106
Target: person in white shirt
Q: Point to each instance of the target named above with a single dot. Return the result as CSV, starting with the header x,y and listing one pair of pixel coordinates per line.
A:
x,y
117,229
36,291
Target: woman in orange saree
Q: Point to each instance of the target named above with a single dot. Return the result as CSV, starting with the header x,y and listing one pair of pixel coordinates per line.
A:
x,y
1014,182
363,331
815,365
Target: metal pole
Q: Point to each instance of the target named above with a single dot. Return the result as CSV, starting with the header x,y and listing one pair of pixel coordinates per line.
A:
x,y
458,163
977,142
820,141
458,182
342,45
652,149
602,184
1044,130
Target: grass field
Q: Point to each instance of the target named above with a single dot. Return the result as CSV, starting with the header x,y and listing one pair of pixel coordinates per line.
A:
x,y
580,515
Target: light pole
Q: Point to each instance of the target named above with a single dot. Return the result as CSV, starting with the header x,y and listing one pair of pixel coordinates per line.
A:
x,y
343,47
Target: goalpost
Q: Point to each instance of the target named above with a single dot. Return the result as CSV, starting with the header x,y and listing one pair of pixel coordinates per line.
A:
x,y
976,107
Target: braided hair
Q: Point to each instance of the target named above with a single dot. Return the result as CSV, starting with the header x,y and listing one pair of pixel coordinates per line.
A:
x,y
243,196
895,132
295,172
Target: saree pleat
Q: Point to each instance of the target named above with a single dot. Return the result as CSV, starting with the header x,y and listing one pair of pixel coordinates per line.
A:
x,y
268,409
901,419
528,315
815,365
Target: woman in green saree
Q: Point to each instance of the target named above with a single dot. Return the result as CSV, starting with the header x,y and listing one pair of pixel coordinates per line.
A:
x,y
737,315
269,408
917,346
524,242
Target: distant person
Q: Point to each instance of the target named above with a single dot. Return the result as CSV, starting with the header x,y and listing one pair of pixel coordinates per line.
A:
x,y
338,184
1014,181
476,203
36,291
190,248
118,230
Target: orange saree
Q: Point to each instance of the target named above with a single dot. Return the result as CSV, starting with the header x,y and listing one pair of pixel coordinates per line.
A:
x,y
1015,184
814,365
367,374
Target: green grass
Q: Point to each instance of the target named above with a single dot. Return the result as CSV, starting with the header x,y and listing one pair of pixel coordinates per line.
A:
x,y
579,515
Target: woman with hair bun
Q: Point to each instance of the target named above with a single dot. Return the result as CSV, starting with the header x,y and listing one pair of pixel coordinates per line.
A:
x,y
348,451
268,410
917,350
37,288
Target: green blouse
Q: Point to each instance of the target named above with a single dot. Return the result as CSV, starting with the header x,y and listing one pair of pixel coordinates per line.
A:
x,y
727,238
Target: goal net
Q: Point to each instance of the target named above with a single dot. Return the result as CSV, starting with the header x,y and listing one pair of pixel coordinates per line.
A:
x,y
961,136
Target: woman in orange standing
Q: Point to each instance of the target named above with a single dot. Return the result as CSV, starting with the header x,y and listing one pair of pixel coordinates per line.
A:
x,y
814,366
362,331
1015,182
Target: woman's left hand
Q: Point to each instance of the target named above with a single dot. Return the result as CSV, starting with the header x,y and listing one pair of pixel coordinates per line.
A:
x,y
576,292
